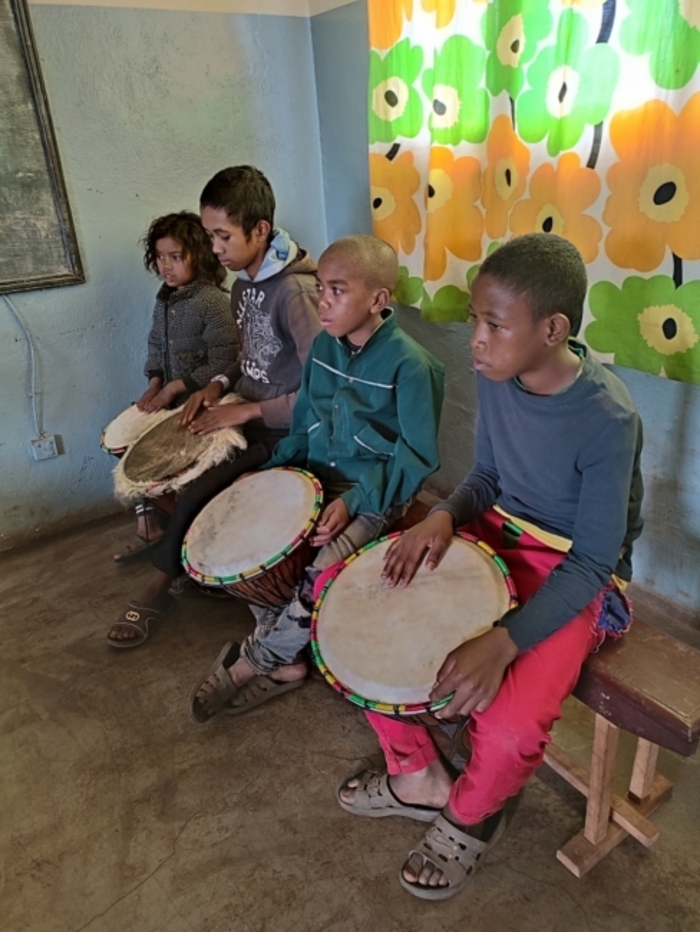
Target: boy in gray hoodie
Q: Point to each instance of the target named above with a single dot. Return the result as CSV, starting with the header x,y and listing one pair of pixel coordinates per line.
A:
x,y
275,308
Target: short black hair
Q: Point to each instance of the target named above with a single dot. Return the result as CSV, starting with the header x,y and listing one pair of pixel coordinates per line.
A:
x,y
244,193
544,269
371,259
187,230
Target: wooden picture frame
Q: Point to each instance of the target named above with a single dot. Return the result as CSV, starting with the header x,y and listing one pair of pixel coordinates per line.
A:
x,y
38,244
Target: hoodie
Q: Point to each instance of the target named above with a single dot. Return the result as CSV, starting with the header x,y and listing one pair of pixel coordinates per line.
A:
x,y
276,315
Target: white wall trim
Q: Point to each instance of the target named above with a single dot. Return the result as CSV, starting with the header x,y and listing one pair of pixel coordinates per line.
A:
x,y
304,8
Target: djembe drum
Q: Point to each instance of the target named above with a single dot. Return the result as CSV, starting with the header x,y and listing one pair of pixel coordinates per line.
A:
x,y
381,646
252,539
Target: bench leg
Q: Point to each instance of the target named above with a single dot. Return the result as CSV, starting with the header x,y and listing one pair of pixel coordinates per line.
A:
x,y
644,770
610,818
600,783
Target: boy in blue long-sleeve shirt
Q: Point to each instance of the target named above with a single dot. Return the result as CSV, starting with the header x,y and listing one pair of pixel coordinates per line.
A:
x,y
365,423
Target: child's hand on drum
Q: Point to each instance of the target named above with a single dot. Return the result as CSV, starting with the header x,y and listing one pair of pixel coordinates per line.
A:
x,y
406,553
206,397
227,415
333,521
474,672
145,400
165,396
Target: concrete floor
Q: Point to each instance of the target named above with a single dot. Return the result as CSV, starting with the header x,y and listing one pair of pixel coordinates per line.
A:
x,y
120,815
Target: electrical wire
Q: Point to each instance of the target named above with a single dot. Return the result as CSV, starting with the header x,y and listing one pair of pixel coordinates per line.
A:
x,y
32,356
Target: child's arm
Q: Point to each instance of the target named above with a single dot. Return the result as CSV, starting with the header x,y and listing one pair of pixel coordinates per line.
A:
x,y
302,324
599,531
431,538
220,338
154,369
393,479
293,450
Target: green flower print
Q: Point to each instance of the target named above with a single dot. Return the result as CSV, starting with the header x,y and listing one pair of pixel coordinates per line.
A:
x,y
511,31
395,107
460,108
474,270
648,324
409,288
571,87
670,32
448,304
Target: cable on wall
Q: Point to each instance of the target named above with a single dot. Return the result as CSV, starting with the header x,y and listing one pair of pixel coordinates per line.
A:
x,y
32,356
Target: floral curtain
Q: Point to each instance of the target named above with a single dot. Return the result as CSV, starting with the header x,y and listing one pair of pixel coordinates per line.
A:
x,y
492,118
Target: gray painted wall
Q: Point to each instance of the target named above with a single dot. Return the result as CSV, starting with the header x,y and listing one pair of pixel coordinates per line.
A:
x,y
668,554
147,105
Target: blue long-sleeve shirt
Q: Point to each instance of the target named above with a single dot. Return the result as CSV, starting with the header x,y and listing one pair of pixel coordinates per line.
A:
x,y
369,417
570,464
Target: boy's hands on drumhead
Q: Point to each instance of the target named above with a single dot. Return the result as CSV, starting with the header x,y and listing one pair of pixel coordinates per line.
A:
x,y
474,672
233,415
204,398
429,539
333,521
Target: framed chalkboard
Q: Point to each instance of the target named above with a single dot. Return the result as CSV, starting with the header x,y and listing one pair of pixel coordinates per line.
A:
x,y
38,246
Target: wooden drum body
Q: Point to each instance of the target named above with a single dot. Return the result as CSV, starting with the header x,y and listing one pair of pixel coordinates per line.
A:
x,y
381,647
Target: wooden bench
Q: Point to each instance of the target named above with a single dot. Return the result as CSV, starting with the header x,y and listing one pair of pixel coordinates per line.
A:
x,y
647,683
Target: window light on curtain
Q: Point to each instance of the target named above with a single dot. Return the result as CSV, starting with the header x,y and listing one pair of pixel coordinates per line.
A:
x,y
493,118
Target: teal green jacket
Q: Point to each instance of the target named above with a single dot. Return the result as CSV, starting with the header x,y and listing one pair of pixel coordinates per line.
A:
x,y
370,418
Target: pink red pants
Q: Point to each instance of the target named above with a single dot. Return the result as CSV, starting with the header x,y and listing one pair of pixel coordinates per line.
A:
x,y
508,739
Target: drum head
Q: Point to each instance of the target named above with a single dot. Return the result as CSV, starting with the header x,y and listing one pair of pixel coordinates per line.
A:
x,y
252,525
127,427
164,451
385,646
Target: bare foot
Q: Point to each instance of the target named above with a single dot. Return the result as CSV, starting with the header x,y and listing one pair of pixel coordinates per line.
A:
x,y
155,596
429,787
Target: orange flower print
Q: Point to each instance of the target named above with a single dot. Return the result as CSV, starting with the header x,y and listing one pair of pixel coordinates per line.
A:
x,y
395,215
558,198
444,10
386,19
654,202
454,222
506,176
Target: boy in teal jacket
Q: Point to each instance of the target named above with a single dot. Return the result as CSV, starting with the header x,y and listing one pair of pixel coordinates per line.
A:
x,y
365,423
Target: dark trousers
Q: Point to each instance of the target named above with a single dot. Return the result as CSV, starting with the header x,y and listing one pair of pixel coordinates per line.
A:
x,y
165,554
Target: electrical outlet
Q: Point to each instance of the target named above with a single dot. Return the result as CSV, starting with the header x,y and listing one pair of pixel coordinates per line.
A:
x,y
44,448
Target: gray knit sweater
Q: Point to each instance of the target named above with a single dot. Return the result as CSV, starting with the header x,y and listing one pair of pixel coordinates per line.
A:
x,y
192,336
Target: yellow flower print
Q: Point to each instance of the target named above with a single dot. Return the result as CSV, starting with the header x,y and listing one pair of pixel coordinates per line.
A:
x,y
558,198
454,222
506,176
667,329
444,10
386,19
395,215
654,202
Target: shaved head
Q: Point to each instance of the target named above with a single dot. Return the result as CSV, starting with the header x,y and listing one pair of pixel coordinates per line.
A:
x,y
369,259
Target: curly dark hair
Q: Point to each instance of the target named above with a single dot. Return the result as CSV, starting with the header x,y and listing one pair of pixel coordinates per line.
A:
x,y
186,228
546,270
244,193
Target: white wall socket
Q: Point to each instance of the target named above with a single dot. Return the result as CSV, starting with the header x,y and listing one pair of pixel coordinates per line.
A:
x,y
44,448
